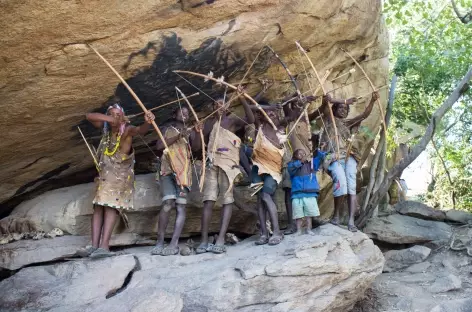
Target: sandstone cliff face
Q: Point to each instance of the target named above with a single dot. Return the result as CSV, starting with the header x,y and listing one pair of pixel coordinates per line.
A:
x,y
50,78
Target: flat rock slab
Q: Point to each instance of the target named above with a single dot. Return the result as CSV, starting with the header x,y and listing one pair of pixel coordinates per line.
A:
x,y
326,272
25,252
419,210
419,267
400,229
399,259
446,283
64,285
460,305
459,216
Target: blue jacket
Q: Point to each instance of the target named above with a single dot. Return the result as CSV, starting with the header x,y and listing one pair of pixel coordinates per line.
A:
x,y
303,177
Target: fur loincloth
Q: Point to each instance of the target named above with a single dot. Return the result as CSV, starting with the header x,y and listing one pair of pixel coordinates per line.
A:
x,y
180,153
226,154
115,187
268,157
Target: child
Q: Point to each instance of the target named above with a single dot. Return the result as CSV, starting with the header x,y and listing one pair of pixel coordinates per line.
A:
x,y
305,187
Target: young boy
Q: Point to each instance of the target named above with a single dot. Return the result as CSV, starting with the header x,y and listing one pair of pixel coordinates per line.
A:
x,y
175,182
305,187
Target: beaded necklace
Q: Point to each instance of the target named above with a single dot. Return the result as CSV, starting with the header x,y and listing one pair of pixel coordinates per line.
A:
x,y
117,144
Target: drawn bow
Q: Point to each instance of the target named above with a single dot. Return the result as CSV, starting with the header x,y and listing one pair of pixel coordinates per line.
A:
x,y
373,89
333,121
247,96
202,177
159,133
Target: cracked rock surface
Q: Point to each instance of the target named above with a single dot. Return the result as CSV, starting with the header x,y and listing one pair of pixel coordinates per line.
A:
x,y
326,272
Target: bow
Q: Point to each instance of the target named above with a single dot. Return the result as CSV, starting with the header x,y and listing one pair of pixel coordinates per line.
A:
x,y
202,177
294,82
324,93
247,96
159,133
372,86
90,150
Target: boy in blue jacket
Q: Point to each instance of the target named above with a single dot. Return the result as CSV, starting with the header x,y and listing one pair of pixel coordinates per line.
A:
x,y
305,187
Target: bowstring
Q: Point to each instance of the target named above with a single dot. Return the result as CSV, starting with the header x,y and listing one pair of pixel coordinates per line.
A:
x,y
188,142
251,125
317,108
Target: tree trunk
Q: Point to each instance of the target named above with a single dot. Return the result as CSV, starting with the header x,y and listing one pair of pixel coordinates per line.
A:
x,y
416,150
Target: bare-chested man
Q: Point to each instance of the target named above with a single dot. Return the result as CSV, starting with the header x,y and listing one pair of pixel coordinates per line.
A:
x,y
267,159
116,177
175,181
223,152
343,171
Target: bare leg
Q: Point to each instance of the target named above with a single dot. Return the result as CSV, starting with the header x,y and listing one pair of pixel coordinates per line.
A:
x,y
226,212
288,207
261,214
299,226
97,223
274,219
308,224
108,225
352,203
206,218
179,225
163,222
338,202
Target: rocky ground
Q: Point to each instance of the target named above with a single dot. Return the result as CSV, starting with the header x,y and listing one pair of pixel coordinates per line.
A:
x,y
328,271
435,276
427,268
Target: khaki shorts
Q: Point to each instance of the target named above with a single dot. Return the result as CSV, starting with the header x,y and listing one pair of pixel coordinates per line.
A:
x,y
216,183
170,190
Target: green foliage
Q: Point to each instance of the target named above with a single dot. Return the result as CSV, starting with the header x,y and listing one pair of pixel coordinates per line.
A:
x,y
431,52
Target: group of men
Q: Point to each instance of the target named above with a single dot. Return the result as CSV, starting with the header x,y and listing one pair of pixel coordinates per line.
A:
x,y
275,151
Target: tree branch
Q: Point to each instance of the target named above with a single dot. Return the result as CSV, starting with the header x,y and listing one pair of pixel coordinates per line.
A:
x,y
465,19
417,149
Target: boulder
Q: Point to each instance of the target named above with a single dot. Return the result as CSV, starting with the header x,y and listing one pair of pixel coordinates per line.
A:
x,y
50,78
419,210
70,209
326,272
459,216
399,259
399,229
25,252
64,285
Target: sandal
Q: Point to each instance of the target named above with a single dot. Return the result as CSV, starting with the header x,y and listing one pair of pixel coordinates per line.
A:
x,y
352,228
275,240
204,248
101,253
86,251
157,250
169,251
334,222
289,231
218,249
262,240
